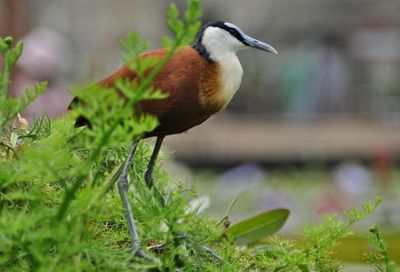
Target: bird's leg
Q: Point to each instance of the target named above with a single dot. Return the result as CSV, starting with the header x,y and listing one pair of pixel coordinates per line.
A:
x,y
123,186
150,183
148,176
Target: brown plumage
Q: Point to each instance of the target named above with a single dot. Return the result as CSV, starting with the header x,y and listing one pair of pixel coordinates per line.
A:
x,y
193,87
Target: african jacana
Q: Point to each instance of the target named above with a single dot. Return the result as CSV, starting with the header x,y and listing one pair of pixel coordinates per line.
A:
x,y
200,80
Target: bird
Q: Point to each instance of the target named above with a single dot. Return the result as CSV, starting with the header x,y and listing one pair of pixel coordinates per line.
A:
x,y
199,80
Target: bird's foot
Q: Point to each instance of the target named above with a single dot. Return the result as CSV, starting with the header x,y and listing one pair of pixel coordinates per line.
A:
x,y
204,248
140,253
159,247
214,254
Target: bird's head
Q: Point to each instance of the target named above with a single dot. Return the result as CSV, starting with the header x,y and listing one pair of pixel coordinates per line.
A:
x,y
218,38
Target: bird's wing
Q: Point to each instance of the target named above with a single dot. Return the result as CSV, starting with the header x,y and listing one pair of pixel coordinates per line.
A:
x,y
125,72
181,79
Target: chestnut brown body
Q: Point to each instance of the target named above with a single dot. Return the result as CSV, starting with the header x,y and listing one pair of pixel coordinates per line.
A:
x,y
192,85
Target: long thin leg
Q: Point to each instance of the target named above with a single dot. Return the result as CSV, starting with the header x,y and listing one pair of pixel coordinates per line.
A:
x,y
123,186
123,192
148,176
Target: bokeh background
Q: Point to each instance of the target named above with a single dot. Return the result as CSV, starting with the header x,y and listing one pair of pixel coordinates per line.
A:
x,y
314,129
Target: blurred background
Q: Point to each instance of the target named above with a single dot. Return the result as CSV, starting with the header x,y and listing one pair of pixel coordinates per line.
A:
x,y
314,129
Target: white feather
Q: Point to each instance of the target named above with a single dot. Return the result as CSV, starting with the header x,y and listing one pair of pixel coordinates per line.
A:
x,y
222,48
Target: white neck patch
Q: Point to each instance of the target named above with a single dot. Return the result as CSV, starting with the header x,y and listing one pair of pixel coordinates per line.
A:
x,y
222,48
219,42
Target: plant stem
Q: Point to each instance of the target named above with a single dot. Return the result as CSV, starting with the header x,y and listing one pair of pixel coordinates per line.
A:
x,y
4,79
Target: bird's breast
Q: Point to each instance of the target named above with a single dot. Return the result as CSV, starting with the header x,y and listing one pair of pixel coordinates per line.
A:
x,y
220,82
231,73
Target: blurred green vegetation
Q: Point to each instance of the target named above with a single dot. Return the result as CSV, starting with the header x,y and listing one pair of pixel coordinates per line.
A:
x,y
352,249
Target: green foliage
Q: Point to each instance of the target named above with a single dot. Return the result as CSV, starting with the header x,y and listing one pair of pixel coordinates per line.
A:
x,y
59,207
10,55
252,230
316,252
379,258
10,107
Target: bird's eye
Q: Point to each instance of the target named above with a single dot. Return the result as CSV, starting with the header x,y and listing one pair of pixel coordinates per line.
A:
x,y
232,32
